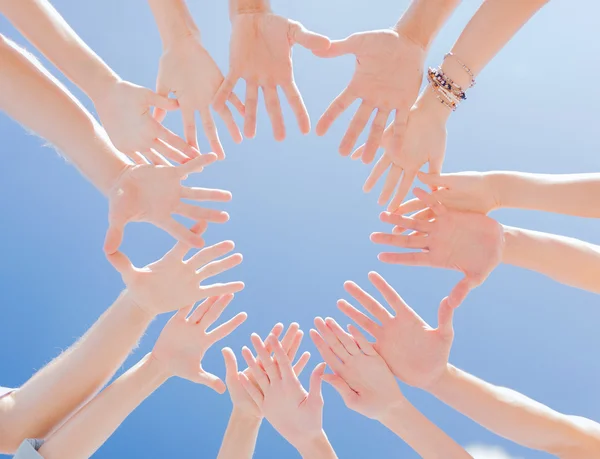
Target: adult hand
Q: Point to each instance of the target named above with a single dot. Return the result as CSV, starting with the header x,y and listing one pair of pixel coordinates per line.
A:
x,y
172,283
125,112
424,141
261,54
415,352
184,340
187,70
152,194
361,376
241,399
387,77
463,241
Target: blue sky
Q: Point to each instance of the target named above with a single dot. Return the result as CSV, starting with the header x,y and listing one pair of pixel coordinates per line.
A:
x,y
302,222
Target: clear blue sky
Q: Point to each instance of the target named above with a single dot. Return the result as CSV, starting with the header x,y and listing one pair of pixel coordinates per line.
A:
x,y
302,222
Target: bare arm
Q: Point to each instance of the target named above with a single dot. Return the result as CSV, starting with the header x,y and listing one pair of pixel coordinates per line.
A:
x,y
564,259
240,437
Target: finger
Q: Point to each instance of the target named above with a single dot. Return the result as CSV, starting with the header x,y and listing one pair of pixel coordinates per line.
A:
x,y
284,363
252,390
156,158
387,133
335,109
114,235
367,302
366,323
188,115
138,158
314,391
267,362
161,101
435,163
275,331
274,110
391,181
407,259
200,213
362,342
289,339
237,103
434,180
163,90
251,109
407,180
310,40
332,340
202,309
210,129
220,289
445,318
175,141
169,152
389,294
196,164
210,253
340,47
259,375
294,345
231,366
380,166
225,329
408,207
295,100
182,234
205,194
231,125
342,336
399,130
210,380
340,386
180,249
220,266
357,125
301,363
460,291
214,311
225,90
422,226
399,240
326,352
437,207
358,152
375,135
121,263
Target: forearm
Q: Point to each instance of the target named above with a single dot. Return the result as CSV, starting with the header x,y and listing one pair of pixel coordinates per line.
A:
x,y
567,194
59,389
46,29
316,448
564,259
490,29
239,440
248,6
85,432
423,19
516,417
39,102
420,433
173,20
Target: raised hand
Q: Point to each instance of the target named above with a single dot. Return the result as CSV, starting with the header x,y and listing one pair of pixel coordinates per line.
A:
x,y
261,54
361,376
184,340
424,141
388,74
173,283
467,191
295,413
415,352
463,241
125,112
147,193
187,70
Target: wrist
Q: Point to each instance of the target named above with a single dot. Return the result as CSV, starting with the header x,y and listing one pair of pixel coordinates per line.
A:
x,y
496,183
429,102
437,385
135,308
155,369
174,21
97,87
397,405
314,446
249,7
511,239
244,418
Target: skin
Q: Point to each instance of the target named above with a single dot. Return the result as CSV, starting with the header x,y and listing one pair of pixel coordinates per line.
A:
x,y
261,54
188,71
418,355
178,352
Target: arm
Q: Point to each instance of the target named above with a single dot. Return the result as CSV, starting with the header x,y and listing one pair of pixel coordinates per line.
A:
x,y
240,437
517,417
178,352
564,259
60,388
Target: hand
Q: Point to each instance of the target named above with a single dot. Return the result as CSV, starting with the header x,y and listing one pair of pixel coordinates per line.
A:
x,y
152,193
466,191
415,352
424,141
361,376
187,70
242,401
389,71
124,110
184,341
293,412
261,54
173,283
463,241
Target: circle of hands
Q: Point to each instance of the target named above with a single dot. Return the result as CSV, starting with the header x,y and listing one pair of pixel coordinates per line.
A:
x,y
447,227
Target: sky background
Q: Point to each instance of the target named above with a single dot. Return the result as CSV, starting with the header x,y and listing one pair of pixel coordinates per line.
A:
x,y
302,222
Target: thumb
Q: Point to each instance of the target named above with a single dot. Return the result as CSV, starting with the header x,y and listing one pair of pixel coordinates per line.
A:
x,y
339,385
460,292
210,380
231,366
121,263
339,47
197,164
314,391
161,102
114,237
445,317
308,39
432,179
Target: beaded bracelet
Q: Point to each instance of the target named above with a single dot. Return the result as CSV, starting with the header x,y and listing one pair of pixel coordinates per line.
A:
x,y
445,97
463,65
446,82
